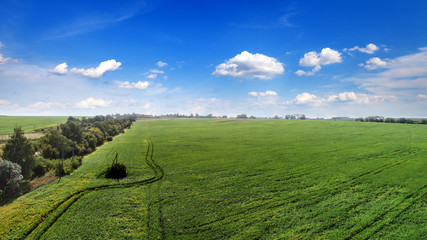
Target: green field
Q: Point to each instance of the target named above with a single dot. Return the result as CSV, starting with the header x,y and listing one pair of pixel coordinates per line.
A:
x,y
28,124
261,179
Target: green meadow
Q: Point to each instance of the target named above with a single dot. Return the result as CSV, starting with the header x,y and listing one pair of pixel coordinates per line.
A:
x,y
28,124
230,179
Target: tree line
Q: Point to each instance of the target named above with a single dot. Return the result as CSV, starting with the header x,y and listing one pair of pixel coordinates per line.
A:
x,y
391,120
61,149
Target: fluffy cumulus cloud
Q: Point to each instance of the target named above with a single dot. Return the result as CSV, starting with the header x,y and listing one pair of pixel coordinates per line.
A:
x,y
109,65
60,69
313,59
161,64
375,62
93,103
4,60
138,85
345,97
262,94
370,48
419,96
248,65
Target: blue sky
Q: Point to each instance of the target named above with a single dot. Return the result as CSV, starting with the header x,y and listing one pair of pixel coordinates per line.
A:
x,y
319,58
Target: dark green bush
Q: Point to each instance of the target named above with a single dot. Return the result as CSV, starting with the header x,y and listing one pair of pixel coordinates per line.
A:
x,y
109,138
59,170
116,171
39,170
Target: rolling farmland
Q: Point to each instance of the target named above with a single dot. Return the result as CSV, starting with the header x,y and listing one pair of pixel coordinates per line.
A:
x,y
28,124
262,179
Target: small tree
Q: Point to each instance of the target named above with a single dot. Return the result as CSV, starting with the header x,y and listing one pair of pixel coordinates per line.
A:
x,y
19,150
10,177
116,170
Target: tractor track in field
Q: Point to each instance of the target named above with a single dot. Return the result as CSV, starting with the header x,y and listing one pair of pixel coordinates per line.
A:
x,y
315,195
47,220
415,196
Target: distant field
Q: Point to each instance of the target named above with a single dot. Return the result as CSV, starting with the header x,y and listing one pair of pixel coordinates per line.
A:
x,y
261,179
28,124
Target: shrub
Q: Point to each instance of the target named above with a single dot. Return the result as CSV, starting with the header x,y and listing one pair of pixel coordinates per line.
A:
x,y
40,167
59,170
116,170
109,138
39,170
10,177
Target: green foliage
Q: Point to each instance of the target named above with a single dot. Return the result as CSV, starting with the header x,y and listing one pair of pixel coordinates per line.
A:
x,y
72,130
53,144
19,150
10,177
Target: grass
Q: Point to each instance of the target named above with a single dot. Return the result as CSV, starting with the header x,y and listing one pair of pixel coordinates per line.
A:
x,y
263,179
28,124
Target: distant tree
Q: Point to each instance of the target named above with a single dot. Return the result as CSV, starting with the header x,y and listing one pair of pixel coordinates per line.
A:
x,y
401,120
409,121
19,150
252,117
53,144
225,116
423,121
73,131
276,117
302,117
389,120
242,116
360,119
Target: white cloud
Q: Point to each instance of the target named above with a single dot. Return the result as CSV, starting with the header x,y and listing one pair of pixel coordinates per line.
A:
x,y
307,98
161,64
325,57
370,48
60,69
263,94
309,73
345,97
93,103
45,105
404,76
6,103
103,67
152,76
157,71
374,63
137,85
4,60
300,73
147,106
313,59
248,65
165,77
422,96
